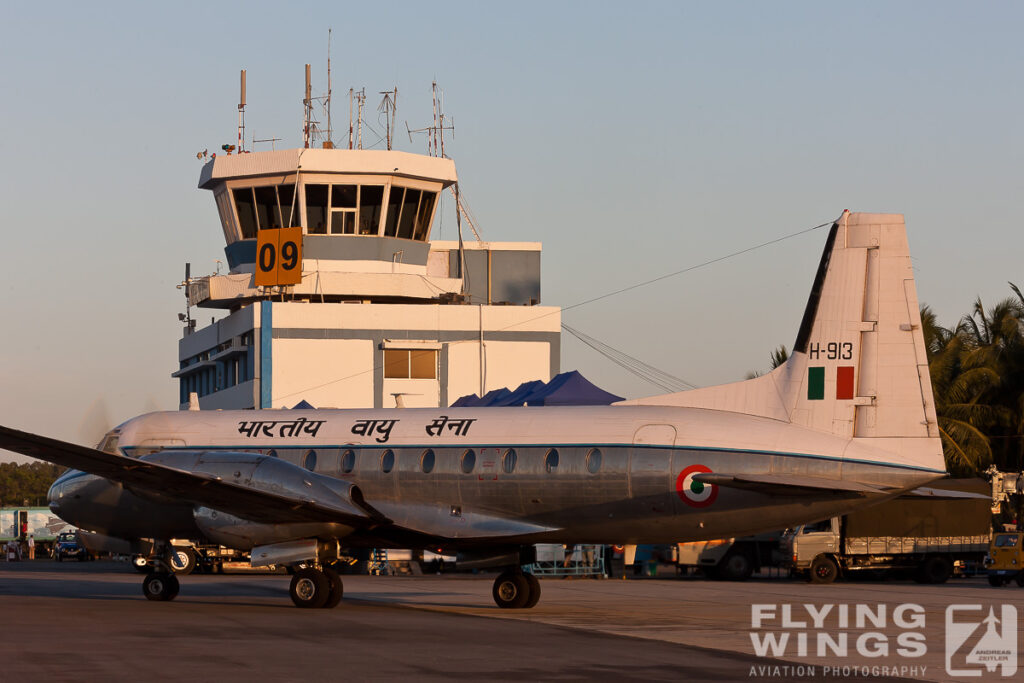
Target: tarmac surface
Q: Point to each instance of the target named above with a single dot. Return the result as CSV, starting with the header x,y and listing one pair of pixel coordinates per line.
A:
x,y
90,621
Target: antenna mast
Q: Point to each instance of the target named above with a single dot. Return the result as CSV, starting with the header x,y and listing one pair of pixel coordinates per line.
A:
x,y
351,92
361,100
330,133
241,116
389,105
307,103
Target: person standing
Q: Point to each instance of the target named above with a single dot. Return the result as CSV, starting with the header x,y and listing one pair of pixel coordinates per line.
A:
x,y
31,546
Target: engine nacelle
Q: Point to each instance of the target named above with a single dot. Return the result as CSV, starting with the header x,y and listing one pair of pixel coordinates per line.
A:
x,y
271,475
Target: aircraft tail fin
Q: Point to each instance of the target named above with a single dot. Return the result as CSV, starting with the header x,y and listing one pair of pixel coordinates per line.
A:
x,y
858,367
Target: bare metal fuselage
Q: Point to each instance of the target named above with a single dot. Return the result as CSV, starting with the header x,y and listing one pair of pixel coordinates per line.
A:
x,y
511,493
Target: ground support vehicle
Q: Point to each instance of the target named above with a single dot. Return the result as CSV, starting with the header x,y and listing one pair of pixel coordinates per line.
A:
x,y
922,533
731,559
1006,559
70,547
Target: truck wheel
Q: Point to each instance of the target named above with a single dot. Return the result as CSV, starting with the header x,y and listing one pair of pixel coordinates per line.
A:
x,y
995,581
736,566
935,570
824,570
183,560
1019,579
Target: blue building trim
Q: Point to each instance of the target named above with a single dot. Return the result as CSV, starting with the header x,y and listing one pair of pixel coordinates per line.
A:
x,y
266,364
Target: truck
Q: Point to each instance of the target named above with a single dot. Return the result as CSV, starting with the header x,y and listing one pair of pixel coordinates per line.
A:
x,y
731,559
1006,559
925,532
16,523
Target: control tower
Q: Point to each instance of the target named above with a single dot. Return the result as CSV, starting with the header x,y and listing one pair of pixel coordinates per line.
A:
x,y
336,296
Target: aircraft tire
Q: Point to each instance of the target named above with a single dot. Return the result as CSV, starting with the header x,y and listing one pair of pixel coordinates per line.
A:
x,y
823,570
534,591
511,590
183,560
160,586
337,588
309,588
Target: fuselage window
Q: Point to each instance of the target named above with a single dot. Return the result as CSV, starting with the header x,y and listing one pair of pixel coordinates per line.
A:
x,y
309,461
508,461
387,461
551,461
348,461
427,461
594,460
468,461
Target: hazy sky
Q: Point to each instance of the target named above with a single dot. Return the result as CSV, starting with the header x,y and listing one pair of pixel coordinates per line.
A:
x,y
631,139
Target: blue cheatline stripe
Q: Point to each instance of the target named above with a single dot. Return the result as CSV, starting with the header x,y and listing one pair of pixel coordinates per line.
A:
x,y
266,363
435,446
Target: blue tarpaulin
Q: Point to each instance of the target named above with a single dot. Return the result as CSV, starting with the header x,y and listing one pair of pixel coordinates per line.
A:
x,y
566,389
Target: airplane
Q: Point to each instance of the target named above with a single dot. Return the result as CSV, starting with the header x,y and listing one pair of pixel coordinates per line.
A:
x,y
847,421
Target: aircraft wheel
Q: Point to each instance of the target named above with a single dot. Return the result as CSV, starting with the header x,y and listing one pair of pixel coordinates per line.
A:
x,y
309,588
824,570
337,589
534,591
735,567
511,590
160,586
183,561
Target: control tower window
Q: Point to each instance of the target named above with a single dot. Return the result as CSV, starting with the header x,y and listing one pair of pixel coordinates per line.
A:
x,y
371,197
424,215
266,207
344,200
407,220
289,214
246,207
316,209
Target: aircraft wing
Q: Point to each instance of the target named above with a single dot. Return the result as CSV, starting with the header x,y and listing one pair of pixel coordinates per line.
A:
x,y
790,485
199,488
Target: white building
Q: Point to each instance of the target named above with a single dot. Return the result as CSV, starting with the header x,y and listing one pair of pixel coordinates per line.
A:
x,y
380,310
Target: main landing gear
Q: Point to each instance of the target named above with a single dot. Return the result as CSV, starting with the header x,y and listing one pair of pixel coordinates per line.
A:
x,y
514,589
313,587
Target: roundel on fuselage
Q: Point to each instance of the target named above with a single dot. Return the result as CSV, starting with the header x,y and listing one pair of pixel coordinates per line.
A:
x,y
695,493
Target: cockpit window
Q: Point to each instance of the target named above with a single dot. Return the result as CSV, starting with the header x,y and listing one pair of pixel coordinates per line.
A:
x,y
109,442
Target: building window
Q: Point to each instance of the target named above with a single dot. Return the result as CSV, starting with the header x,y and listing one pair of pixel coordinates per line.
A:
x,y
508,461
427,461
468,461
410,364
387,461
594,460
551,461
